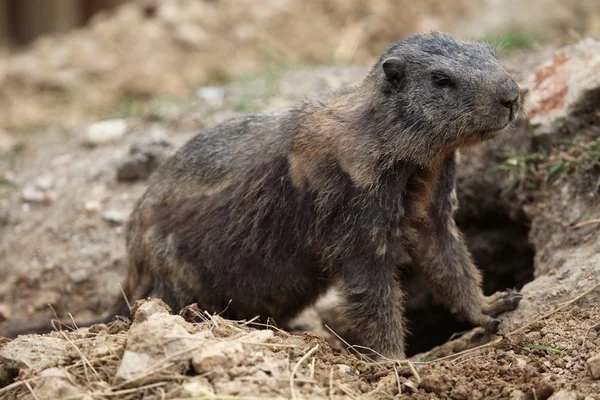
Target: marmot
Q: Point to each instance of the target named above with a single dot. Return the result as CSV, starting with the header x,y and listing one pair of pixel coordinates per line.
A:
x,y
261,214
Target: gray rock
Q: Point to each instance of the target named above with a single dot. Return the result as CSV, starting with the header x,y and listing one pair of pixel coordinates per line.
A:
x,y
33,352
143,159
564,395
593,365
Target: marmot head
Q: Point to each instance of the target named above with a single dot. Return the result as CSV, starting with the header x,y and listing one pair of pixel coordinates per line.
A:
x,y
440,94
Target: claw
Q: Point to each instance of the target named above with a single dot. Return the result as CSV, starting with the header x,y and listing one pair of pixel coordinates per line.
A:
x,y
492,325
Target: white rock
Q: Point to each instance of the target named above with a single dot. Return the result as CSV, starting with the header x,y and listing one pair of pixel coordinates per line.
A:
x,y
133,364
112,216
212,96
32,194
92,206
105,131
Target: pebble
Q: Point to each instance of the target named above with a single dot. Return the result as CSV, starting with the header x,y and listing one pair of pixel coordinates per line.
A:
x,y
45,182
113,216
92,206
80,275
564,395
593,365
213,96
105,131
31,194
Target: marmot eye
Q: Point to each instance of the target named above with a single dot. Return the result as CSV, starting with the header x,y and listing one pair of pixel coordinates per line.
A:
x,y
441,79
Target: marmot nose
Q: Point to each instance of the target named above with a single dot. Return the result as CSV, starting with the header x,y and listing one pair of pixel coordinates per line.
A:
x,y
509,102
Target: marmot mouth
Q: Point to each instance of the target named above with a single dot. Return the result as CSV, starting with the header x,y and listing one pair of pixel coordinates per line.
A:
x,y
494,131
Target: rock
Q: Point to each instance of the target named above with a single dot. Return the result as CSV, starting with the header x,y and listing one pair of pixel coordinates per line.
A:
x,y
143,159
33,352
132,364
212,96
593,365
31,194
196,387
92,206
112,216
159,336
105,131
45,182
518,395
564,87
221,354
564,395
139,303
544,389
146,310
80,275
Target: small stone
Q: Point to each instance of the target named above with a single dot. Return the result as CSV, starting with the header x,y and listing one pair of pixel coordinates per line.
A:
x,y
147,309
564,395
31,194
212,96
143,159
343,368
593,365
45,182
544,389
112,216
80,275
197,387
105,131
92,206
517,395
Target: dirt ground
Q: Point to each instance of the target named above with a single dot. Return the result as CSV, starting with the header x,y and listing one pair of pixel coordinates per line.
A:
x,y
65,196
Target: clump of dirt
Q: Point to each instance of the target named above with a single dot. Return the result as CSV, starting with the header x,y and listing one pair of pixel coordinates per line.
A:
x,y
163,355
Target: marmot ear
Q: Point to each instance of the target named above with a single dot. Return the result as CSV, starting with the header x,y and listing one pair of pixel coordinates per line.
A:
x,y
394,71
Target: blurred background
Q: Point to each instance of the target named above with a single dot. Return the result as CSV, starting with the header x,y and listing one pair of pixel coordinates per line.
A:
x,y
69,62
